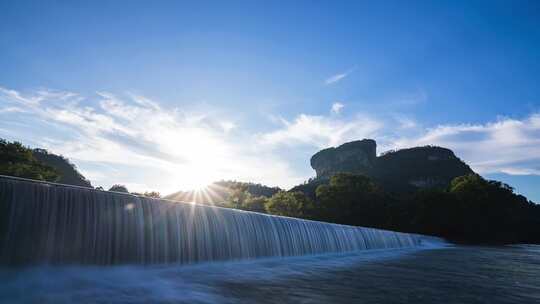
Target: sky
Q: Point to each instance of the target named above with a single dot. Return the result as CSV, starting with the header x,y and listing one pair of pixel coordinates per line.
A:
x,y
173,95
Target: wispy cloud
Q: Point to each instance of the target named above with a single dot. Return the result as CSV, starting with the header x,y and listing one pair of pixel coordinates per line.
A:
x,y
138,141
320,131
142,143
337,77
11,110
506,145
405,122
337,107
227,126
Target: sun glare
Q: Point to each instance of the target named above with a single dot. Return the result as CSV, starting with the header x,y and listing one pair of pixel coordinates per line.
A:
x,y
193,179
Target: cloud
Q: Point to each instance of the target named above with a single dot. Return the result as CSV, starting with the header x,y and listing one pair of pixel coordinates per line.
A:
x,y
337,107
11,110
406,122
320,131
506,145
338,77
35,98
227,126
134,140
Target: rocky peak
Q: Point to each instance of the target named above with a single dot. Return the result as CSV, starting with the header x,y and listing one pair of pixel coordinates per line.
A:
x,y
419,167
355,156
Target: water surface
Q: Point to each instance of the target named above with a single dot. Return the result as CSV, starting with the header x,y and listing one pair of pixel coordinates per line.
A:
x,y
445,275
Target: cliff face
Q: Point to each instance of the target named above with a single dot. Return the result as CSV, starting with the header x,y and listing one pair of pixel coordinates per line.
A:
x,y
357,156
420,167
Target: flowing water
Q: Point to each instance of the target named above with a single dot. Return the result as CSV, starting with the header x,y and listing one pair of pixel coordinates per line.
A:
x,y
61,244
58,224
445,275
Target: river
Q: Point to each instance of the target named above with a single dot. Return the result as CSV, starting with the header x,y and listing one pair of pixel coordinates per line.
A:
x,y
452,274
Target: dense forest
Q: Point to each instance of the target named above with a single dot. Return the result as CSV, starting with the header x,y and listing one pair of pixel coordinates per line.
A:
x,y
470,210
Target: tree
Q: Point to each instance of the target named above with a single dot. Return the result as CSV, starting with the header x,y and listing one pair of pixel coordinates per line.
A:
x,y
69,174
256,204
119,188
18,160
430,211
240,198
152,194
351,199
293,204
490,211
237,196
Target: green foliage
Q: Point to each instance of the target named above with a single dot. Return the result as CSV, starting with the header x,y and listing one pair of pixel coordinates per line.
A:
x,y
429,211
251,188
350,199
293,204
490,211
471,209
68,171
18,160
237,196
240,198
219,193
309,187
255,203
119,188
436,166
152,194
481,211
352,182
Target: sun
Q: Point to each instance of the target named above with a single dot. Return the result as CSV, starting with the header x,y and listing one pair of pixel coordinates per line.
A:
x,y
201,161
197,182
194,179
199,186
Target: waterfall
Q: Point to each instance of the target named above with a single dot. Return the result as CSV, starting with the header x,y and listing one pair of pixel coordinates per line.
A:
x,y
52,223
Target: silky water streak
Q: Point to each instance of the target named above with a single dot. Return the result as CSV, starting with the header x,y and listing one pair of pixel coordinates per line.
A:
x,y
59,224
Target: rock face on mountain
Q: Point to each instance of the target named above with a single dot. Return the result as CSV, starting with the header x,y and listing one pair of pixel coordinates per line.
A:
x,y
356,156
420,167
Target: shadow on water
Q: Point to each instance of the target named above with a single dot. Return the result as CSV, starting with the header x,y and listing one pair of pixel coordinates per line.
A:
x,y
445,275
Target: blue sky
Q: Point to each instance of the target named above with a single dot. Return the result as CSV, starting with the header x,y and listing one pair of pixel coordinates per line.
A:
x,y
173,95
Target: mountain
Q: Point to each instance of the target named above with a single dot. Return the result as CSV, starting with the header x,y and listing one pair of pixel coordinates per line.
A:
x,y
18,160
69,174
419,167
397,171
218,192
